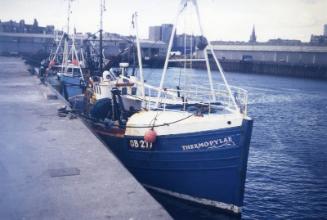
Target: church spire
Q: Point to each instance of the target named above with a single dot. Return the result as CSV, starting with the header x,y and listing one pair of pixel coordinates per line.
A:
x,y
253,37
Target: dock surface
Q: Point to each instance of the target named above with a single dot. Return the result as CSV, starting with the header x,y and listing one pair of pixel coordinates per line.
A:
x,y
53,167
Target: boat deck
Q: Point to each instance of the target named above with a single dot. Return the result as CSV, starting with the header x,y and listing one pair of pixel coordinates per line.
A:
x,y
55,168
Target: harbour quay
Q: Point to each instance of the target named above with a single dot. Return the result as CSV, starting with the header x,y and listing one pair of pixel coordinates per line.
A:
x,y
53,167
299,60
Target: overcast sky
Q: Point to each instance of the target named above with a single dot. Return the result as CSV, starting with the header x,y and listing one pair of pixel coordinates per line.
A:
x,y
222,19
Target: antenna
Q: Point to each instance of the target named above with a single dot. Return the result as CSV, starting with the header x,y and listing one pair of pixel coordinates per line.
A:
x,y
68,14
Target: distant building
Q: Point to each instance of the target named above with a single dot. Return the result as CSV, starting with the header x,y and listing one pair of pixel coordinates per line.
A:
x,y
318,40
161,33
185,43
21,27
253,37
22,38
304,54
115,44
152,49
274,51
280,41
166,30
155,33
25,43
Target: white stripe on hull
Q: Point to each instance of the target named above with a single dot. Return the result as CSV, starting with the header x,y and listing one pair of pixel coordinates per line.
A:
x,y
207,202
140,122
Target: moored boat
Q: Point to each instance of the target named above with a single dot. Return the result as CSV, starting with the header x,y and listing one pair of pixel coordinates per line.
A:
x,y
67,63
190,143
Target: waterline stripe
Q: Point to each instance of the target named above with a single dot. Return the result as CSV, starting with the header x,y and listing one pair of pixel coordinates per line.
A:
x,y
202,201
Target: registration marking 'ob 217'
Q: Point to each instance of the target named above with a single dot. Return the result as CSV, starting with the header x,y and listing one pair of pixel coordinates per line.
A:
x,y
140,144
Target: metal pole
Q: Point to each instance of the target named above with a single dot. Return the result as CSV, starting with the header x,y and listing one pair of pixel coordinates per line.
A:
x,y
215,58
223,76
205,51
58,47
68,15
65,55
73,47
66,48
101,29
74,51
170,45
139,55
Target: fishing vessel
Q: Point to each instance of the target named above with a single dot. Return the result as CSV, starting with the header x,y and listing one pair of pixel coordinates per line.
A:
x,y
70,75
191,143
67,63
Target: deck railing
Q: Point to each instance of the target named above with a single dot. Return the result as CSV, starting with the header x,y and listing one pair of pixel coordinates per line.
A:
x,y
196,94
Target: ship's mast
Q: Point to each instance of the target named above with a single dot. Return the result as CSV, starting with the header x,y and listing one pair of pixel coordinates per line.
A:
x,y
139,55
66,39
68,15
102,9
183,5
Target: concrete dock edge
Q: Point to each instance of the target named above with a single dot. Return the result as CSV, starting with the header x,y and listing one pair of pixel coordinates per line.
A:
x,y
53,167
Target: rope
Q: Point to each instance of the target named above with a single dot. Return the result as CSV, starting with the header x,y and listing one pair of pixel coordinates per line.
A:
x,y
145,126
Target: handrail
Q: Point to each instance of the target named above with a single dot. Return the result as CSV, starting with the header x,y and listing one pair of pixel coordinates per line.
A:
x,y
198,94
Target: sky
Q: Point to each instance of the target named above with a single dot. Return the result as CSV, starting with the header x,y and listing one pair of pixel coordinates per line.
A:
x,y
222,19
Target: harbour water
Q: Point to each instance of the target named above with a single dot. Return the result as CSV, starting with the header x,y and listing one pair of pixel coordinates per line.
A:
x,y
287,167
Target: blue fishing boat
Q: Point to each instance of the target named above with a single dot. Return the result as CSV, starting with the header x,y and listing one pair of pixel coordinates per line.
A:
x,y
71,73
71,80
190,143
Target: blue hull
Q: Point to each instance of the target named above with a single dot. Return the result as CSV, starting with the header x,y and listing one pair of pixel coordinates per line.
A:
x,y
206,167
70,86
